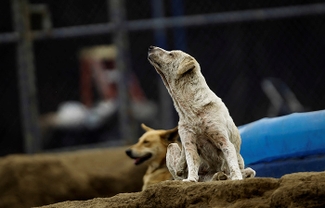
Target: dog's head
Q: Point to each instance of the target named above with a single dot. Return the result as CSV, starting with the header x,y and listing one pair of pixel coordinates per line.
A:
x,y
152,145
172,65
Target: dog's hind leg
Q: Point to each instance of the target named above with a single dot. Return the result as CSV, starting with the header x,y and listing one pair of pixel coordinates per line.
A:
x,y
219,176
181,166
248,173
175,161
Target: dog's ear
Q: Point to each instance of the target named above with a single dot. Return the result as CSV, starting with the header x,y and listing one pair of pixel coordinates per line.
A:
x,y
186,65
146,128
170,135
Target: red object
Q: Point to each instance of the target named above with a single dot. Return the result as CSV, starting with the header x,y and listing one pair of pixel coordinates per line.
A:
x,y
102,73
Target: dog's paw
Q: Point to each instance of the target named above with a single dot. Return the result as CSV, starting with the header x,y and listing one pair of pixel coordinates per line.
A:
x,y
248,173
235,176
219,176
190,180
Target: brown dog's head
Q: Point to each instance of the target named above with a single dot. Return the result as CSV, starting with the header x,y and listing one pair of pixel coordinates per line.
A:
x,y
152,145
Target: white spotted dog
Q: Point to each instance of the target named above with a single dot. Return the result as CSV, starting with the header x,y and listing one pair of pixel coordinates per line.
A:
x,y
210,139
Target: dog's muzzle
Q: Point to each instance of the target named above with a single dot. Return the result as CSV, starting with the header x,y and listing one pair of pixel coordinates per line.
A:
x,y
138,160
151,48
150,51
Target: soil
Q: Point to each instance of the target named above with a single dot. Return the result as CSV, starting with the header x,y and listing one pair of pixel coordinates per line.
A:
x,y
107,178
35,180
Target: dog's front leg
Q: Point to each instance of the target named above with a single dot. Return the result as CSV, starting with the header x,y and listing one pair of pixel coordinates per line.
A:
x,y
192,157
229,151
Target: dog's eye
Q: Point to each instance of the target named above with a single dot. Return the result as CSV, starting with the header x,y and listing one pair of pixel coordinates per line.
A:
x,y
171,54
145,142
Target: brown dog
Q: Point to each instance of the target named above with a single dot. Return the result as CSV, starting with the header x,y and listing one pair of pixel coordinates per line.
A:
x,y
151,149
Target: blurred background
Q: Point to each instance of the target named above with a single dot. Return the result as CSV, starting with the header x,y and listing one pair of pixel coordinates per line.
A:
x,y
75,74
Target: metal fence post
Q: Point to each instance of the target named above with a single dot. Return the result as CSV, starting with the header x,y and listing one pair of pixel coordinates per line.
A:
x,y
120,39
26,77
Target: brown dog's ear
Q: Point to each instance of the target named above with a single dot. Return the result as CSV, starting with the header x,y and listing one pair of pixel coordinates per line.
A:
x,y
187,64
146,128
170,135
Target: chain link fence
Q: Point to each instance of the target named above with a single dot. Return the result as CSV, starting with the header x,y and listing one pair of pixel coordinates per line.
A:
x,y
262,58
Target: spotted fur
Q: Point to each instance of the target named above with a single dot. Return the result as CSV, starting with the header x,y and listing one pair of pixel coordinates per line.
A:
x,y
210,139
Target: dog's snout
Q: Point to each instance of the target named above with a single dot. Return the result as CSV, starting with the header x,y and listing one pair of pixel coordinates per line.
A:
x,y
151,48
129,152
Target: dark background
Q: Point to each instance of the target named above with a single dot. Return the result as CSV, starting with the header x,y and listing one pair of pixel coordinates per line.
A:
x,y
234,58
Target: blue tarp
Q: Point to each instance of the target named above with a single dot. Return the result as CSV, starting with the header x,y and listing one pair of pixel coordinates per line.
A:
x,y
286,138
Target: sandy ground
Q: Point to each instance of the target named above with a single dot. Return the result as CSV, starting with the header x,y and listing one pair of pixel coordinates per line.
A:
x,y
301,190
40,179
107,178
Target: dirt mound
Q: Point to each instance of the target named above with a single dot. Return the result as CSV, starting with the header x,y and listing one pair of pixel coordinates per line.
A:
x,y
40,179
83,176
293,190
